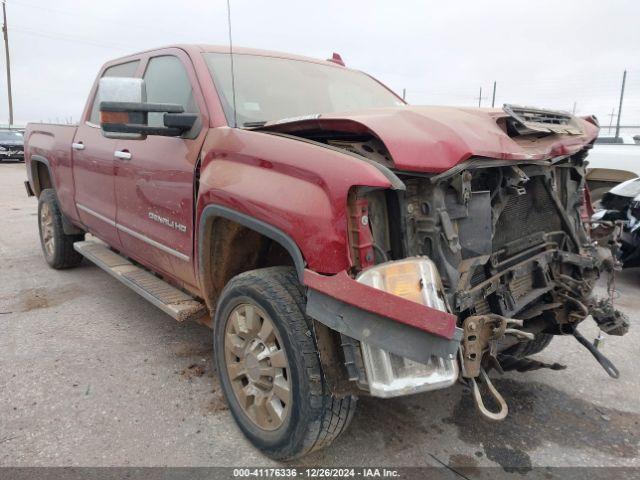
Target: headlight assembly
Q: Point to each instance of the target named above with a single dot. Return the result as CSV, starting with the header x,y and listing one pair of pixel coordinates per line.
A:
x,y
389,375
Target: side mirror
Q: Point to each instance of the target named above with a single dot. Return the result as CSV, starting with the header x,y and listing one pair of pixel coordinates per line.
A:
x,y
124,112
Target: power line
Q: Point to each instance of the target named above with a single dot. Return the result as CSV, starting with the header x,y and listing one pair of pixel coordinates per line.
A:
x,y
67,38
99,18
87,41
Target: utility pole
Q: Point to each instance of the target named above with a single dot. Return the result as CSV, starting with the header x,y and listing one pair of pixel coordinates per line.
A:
x,y
624,80
575,104
611,115
493,97
480,98
404,94
5,34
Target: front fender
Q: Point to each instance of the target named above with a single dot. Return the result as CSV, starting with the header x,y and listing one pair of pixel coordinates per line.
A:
x,y
296,187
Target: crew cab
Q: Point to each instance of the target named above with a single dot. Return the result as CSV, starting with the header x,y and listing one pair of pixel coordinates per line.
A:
x,y
339,241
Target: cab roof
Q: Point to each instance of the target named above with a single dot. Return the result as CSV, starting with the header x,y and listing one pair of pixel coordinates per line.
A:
x,y
194,49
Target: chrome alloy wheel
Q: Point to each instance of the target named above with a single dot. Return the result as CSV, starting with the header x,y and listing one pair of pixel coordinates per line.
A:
x,y
257,366
46,229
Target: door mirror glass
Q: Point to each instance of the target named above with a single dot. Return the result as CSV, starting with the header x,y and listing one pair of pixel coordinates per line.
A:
x,y
124,112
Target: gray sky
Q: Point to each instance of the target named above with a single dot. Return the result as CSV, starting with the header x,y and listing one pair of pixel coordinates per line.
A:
x,y
543,53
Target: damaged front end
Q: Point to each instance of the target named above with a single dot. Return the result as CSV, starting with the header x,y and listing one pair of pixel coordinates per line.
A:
x,y
514,257
502,245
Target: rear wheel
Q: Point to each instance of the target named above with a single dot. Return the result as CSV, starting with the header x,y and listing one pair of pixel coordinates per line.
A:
x,y
269,366
56,245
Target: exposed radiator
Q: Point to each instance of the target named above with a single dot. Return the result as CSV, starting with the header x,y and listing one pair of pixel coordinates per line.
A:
x,y
526,214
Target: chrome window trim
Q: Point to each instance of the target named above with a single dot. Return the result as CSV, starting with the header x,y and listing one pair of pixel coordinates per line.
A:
x,y
134,234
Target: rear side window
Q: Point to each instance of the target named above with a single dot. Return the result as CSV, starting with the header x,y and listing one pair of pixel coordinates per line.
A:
x,y
121,70
166,81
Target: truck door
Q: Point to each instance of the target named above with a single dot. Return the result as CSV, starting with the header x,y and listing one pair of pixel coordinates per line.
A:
x,y
93,165
155,176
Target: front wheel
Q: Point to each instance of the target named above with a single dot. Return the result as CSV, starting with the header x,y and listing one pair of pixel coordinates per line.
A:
x,y
270,369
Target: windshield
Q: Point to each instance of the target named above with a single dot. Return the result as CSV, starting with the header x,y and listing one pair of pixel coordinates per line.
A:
x,y
10,136
269,88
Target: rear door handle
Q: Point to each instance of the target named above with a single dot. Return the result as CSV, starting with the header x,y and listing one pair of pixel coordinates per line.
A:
x,y
122,155
77,146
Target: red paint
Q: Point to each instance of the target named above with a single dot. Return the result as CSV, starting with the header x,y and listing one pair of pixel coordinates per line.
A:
x,y
295,186
158,180
435,139
586,209
342,287
337,59
94,181
54,143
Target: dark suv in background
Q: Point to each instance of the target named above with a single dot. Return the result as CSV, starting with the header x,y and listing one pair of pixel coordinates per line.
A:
x,y
11,145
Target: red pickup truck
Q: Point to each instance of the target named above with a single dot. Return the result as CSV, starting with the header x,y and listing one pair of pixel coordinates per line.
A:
x,y
339,241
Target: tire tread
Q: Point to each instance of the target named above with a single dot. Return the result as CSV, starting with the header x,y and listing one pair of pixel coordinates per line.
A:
x,y
65,255
331,415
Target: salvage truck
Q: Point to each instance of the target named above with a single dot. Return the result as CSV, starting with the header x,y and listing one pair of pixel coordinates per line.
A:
x,y
339,241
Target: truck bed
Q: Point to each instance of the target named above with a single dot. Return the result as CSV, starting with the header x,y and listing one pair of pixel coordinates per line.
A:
x,y
49,144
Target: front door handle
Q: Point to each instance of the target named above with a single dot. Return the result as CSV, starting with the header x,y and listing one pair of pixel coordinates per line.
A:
x,y
122,155
77,146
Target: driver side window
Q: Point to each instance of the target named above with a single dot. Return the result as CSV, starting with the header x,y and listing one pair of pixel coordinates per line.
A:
x,y
122,70
166,81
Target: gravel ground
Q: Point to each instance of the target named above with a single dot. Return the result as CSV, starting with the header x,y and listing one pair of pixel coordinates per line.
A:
x,y
93,375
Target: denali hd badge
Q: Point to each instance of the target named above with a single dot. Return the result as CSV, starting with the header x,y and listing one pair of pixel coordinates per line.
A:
x,y
169,223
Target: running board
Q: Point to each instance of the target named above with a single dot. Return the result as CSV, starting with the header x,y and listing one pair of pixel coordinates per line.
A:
x,y
167,298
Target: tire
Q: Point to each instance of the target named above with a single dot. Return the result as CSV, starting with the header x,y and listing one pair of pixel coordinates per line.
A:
x,y
311,417
531,347
57,247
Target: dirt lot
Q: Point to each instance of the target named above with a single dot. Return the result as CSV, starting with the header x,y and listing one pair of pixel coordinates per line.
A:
x,y
93,375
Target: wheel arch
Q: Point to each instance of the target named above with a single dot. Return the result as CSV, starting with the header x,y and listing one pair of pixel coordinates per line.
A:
x,y
41,174
42,179
231,242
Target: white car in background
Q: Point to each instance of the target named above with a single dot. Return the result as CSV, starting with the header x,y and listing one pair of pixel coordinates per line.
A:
x,y
612,161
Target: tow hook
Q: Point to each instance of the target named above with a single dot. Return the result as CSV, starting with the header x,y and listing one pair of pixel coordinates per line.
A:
x,y
608,366
481,333
504,408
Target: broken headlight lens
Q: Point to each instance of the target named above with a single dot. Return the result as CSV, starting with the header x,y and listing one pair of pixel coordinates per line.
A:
x,y
390,375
